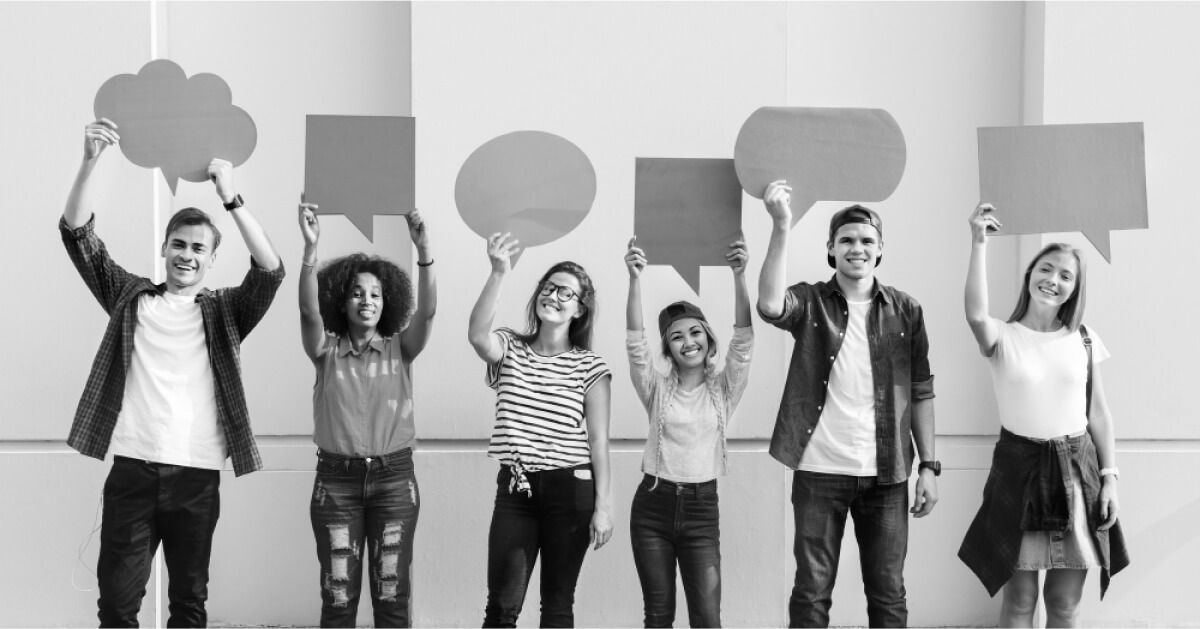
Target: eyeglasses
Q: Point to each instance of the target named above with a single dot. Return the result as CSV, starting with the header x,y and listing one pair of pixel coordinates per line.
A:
x,y
562,293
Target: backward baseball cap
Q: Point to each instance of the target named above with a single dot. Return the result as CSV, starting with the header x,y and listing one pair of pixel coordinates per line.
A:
x,y
854,214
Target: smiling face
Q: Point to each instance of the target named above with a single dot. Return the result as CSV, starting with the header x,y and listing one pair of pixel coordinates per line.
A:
x,y
1052,279
188,253
855,248
558,298
687,341
364,302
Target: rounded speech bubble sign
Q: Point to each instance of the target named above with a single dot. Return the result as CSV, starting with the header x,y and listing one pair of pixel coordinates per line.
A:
x,y
175,123
825,154
534,184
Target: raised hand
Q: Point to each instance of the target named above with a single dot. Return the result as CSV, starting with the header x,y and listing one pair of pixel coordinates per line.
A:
x,y
220,172
500,249
983,222
98,136
738,256
417,231
310,228
778,199
635,258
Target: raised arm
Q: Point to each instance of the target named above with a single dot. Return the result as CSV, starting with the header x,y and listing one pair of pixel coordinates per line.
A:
x,y
261,249
772,280
500,248
596,406
97,136
635,261
312,326
738,256
975,294
1100,427
414,338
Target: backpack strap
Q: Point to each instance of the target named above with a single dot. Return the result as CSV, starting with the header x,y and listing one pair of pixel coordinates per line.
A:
x,y
1087,346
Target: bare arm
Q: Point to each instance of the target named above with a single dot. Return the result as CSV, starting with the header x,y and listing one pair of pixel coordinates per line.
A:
x,y
97,136
635,261
596,406
923,435
975,294
738,257
772,280
312,326
1100,427
479,328
414,338
260,247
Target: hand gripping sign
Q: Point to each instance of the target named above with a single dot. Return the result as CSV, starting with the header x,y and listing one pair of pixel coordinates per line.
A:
x,y
1059,178
534,184
686,213
175,123
825,154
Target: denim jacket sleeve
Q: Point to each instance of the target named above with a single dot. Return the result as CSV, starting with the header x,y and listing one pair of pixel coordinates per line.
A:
x,y
922,378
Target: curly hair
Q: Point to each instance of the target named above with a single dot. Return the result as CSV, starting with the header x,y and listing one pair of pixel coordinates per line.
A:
x,y
580,331
336,278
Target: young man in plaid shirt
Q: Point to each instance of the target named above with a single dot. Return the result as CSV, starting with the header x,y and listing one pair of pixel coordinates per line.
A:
x,y
165,394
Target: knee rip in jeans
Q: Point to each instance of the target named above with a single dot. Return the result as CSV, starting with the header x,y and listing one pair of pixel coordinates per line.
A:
x,y
387,552
341,549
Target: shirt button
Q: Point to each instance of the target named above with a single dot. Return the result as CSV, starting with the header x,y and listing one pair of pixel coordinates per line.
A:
x,y
825,382
841,334
901,334
831,358
845,312
809,431
818,407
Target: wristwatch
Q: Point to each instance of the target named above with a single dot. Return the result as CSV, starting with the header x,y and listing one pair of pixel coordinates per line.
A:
x,y
936,466
236,203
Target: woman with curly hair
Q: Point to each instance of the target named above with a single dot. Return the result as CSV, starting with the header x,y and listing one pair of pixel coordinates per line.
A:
x,y
1050,502
359,328
675,517
550,437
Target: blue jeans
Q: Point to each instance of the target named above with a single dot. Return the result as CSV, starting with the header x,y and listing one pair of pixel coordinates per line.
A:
x,y
554,522
365,507
820,503
144,504
677,522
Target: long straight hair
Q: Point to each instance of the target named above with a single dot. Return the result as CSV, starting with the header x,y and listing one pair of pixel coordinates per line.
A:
x,y
1070,314
580,331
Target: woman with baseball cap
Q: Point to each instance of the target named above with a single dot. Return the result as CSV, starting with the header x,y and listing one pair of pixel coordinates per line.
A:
x,y
675,513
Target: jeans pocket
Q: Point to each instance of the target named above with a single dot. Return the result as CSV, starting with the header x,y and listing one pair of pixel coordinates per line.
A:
x,y
585,495
329,465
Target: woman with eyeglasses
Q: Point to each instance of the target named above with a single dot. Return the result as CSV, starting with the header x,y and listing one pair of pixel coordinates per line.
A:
x,y
551,438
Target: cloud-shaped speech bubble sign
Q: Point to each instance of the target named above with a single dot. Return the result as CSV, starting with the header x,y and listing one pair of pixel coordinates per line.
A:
x,y
1089,178
825,154
534,184
176,123
686,212
360,166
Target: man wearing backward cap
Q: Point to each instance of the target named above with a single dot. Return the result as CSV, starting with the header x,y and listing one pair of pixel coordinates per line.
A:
x,y
858,392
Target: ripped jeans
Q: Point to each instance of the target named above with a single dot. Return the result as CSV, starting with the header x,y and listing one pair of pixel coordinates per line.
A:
x,y
365,508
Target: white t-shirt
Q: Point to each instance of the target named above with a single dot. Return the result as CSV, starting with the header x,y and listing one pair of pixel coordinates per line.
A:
x,y
169,410
1040,379
844,440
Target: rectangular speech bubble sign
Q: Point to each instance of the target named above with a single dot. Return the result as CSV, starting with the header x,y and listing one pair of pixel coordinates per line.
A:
x,y
686,212
1089,178
360,166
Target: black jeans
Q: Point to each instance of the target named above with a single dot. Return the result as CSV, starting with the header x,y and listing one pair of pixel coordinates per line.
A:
x,y
677,522
820,503
368,507
144,504
555,521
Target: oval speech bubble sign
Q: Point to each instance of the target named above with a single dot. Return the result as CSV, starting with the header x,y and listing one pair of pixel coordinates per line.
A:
x,y
534,184
176,123
825,153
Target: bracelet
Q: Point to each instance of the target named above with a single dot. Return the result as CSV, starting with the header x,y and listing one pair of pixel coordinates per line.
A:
x,y
1110,471
308,264
419,263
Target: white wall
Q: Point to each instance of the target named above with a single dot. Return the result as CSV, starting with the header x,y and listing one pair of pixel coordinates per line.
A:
x,y
620,80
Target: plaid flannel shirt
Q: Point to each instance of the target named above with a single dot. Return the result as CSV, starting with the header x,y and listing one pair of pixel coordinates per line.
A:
x,y
229,315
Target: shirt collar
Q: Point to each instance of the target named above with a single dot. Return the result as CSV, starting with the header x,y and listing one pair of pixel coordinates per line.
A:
x,y
345,346
831,287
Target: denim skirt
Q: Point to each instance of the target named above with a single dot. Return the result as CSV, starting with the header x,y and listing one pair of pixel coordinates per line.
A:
x,y
1072,548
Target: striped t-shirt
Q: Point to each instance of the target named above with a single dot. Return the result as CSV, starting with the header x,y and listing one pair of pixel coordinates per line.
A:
x,y
539,405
